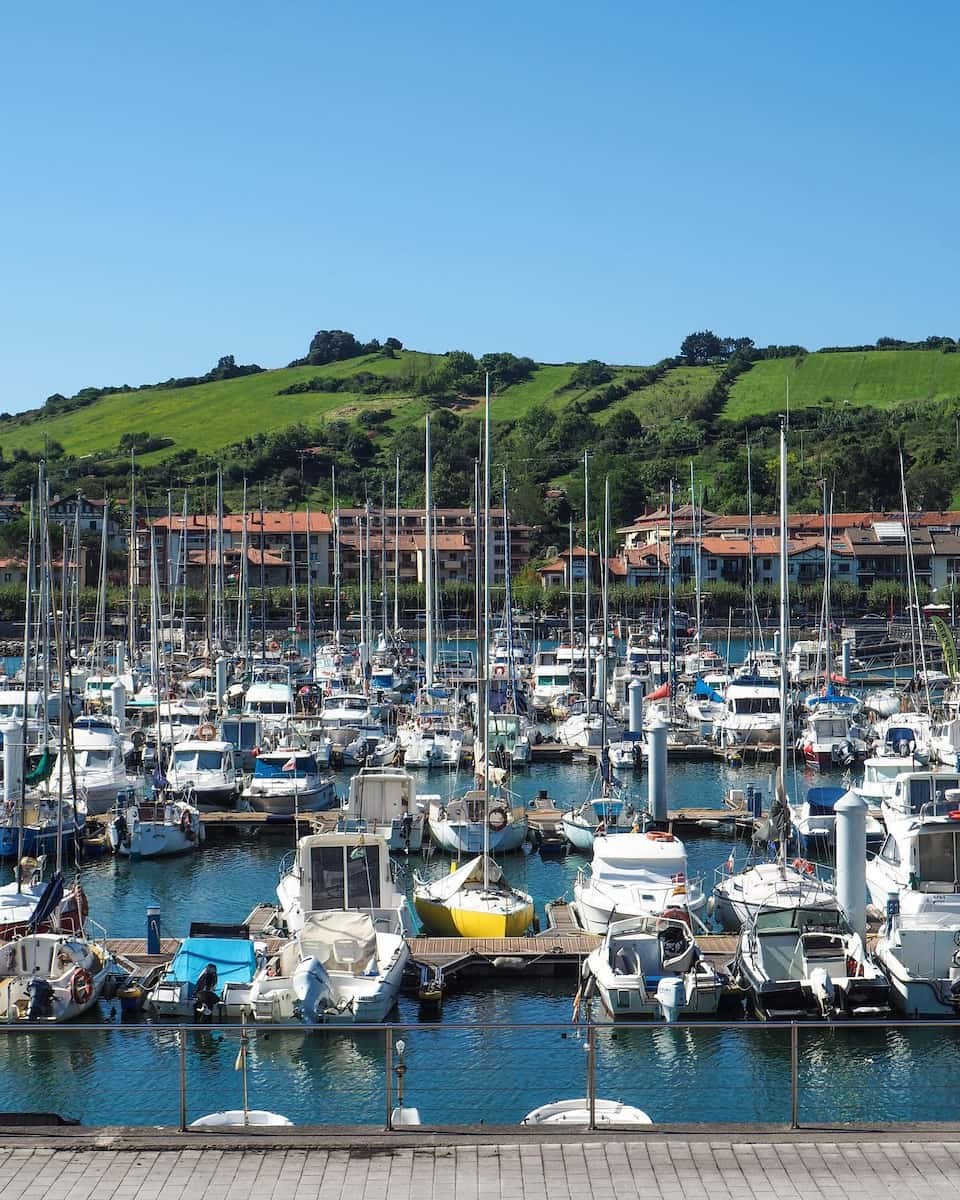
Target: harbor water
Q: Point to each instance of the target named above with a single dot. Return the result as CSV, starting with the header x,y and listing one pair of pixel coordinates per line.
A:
x,y
127,1073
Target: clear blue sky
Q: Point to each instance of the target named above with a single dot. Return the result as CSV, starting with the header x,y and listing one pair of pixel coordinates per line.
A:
x,y
185,180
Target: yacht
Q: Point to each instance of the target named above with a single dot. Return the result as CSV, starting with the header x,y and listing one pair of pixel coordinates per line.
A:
x,y
814,820
551,682
287,781
919,861
434,740
273,702
635,874
751,713
205,765
583,724
739,895
346,954
474,900
98,771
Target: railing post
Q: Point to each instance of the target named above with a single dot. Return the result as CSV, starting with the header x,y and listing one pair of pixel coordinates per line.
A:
x,y
794,1077
592,1076
182,1040
388,1063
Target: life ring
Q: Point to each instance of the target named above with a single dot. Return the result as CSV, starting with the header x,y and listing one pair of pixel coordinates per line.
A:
x,y
274,645
658,835
207,732
673,914
499,672
81,986
497,819
802,864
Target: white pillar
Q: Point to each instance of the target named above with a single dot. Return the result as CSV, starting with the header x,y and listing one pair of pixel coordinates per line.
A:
x,y
12,732
120,657
635,696
657,774
851,837
221,676
118,701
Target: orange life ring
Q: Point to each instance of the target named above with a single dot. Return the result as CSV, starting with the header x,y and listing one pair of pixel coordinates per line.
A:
x,y
497,819
81,986
207,731
801,864
658,835
499,672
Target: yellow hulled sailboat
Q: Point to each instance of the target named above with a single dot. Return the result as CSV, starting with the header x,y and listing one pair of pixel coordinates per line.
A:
x,y
473,901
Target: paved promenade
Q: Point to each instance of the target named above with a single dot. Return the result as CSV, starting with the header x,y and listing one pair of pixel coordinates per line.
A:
x,y
608,1169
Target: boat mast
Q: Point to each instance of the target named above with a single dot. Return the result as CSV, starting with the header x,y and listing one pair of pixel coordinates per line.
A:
x,y
27,631
485,708
99,664
570,579
293,582
184,562
671,648
336,559
784,617
243,585
383,561
396,556
263,586
132,615
587,691
605,611
756,639
428,558
696,562
311,631
913,604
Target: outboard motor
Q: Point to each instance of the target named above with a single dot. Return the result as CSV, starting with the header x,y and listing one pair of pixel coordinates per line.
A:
x,y
40,1006
205,999
954,979
671,996
823,990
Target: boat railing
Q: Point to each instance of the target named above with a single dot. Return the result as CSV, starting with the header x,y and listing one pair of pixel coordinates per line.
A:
x,y
415,1057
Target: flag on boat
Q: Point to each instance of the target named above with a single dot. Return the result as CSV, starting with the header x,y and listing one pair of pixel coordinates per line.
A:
x,y
290,764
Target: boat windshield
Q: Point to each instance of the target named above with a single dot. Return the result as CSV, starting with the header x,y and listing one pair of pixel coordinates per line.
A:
x,y
780,919
198,760
94,758
338,880
938,857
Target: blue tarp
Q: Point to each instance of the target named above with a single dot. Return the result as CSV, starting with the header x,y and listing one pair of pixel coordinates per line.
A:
x,y
235,960
706,692
830,697
822,799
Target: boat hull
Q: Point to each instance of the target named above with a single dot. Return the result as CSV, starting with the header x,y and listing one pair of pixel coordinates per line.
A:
x,y
447,921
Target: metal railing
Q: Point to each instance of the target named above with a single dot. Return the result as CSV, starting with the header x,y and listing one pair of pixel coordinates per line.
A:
x,y
394,1065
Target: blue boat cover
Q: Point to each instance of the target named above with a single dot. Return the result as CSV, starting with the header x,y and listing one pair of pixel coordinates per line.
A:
x,y
706,692
305,765
235,960
822,799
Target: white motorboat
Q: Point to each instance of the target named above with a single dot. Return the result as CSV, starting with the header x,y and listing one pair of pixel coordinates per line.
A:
x,y
829,739
806,961
905,734
98,771
371,746
433,740
181,719
457,825
51,977
205,766
945,742
577,1112
919,955
273,702
510,741
209,979
919,860
635,874
167,824
345,709
383,801
286,781
551,682
751,713
652,967
814,820
346,955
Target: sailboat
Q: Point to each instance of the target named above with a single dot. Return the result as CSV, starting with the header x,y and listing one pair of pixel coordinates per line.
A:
x,y
739,896
475,900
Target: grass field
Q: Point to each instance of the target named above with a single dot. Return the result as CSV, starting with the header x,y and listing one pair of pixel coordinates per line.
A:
x,y
874,378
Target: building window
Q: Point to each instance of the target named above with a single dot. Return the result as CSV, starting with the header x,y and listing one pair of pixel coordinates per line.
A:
x,y
767,564
843,568
7,577
711,564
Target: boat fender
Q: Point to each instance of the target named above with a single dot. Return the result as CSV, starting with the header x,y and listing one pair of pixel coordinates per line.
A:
x,y
81,985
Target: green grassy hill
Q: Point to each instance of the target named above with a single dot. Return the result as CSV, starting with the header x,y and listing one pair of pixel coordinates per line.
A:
x,y
211,415
872,378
